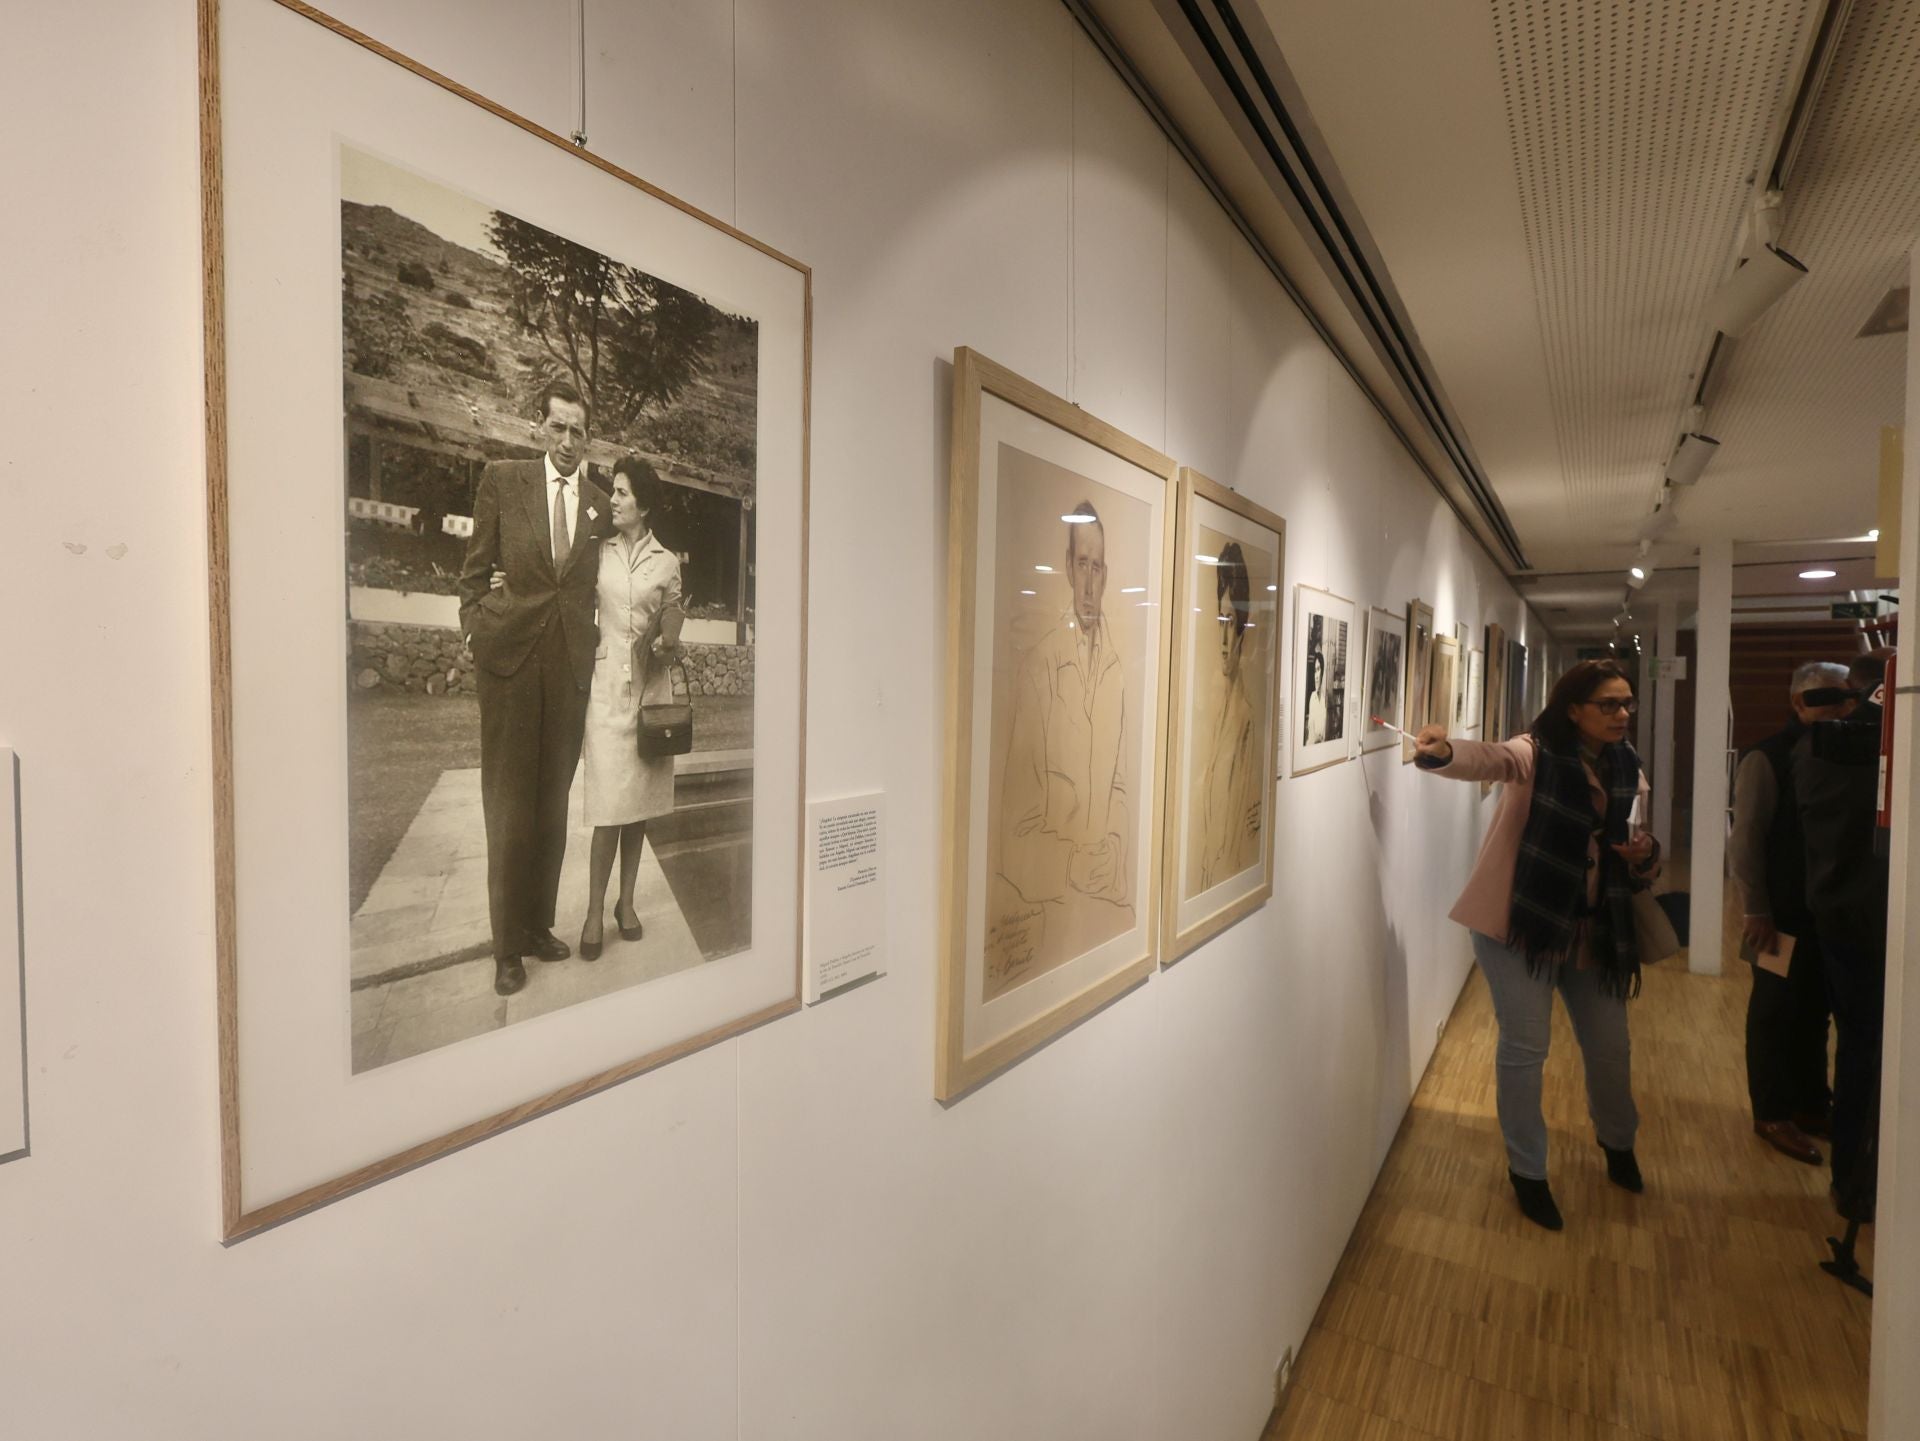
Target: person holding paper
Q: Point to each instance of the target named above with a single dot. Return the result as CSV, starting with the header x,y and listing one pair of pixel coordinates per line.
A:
x,y
1550,907
1787,1008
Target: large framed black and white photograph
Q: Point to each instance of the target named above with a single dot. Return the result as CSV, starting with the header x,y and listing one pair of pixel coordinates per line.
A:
x,y
1059,563
507,482
1229,564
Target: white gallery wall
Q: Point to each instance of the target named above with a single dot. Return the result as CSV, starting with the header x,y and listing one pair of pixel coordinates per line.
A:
x,y
783,1236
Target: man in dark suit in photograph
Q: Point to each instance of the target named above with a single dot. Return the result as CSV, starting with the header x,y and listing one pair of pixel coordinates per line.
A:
x,y
527,608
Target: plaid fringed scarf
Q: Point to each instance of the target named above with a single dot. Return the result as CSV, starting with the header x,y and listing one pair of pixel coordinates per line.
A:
x,y
1550,877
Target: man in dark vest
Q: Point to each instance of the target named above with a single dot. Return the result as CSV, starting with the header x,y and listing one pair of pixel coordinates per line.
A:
x,y
1836,777
1786,1013
527,607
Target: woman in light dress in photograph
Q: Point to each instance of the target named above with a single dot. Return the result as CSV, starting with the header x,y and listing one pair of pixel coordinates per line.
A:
x,y
640,620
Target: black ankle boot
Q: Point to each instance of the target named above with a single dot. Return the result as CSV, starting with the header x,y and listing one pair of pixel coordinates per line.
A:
x,y
1623,1170
1536,1201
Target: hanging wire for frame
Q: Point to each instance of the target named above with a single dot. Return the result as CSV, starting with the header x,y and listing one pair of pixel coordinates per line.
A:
x,y
579,136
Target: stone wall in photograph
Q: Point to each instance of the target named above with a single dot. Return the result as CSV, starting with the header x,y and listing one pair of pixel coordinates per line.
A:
x,y
391,656
720,669
434,660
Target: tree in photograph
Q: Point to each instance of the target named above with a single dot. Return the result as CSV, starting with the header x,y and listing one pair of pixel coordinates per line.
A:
x,y
630,341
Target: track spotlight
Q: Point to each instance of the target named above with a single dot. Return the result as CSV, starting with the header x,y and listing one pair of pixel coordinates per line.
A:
x,y
1639,575
1750,291
1691,457
1659,523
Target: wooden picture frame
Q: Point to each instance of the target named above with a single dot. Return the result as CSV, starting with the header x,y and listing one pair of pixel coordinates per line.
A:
x,y
1049,901
1517,685
1327,666
1473,704
1383,695
1493,711
289,97
1229,568
13,960
1420,638
1444,688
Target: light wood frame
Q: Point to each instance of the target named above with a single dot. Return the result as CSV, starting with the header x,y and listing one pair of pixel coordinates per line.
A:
x,y
1356,667
1419,678
236,1220
1440,708
956,1068
1493,708
1174,942
1375,616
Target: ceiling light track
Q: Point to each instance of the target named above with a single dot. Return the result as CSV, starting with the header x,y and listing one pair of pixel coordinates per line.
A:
x,y
1254,98
1762,272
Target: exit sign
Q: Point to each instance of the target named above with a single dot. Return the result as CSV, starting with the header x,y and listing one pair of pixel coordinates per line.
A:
x,y
1856,609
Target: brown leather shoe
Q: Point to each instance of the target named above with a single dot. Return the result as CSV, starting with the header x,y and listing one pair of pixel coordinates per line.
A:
x,y
1789,1140
1817,1124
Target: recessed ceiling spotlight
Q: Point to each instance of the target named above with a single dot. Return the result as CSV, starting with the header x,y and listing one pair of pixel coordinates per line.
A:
x,y
1818,574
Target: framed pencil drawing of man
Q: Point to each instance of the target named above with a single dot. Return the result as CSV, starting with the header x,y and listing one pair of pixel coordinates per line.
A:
x,y
1229,558
1062,530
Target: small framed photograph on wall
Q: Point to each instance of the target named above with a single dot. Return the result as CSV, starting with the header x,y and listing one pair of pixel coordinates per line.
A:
x,y
1386,676
1443,687
1472,697
1060,553
507,508
1326,651
1494,705
1229,564
1419,666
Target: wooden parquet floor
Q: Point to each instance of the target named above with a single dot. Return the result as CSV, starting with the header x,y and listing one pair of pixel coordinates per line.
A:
x,y
1695,1312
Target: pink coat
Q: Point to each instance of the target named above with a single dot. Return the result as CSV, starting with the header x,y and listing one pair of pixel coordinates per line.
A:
x,y
1486,905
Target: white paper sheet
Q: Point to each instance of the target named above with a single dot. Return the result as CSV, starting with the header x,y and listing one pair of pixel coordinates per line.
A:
x,y
846,893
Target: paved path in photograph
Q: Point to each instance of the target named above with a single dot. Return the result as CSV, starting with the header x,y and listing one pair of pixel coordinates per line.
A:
x,y
422,958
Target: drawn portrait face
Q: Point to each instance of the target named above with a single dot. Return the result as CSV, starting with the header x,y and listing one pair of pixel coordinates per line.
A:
x,y
1232,604
1087,572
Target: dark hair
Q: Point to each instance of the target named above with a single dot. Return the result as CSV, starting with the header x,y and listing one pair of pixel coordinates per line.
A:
x,y
557,389
645,482
1553,727
1230,580
1869,672
1073,529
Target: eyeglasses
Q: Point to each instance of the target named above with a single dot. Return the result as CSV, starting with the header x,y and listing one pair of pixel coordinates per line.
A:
x,y
1613,705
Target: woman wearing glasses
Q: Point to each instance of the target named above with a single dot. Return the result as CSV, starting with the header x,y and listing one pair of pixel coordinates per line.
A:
x,y
1550,907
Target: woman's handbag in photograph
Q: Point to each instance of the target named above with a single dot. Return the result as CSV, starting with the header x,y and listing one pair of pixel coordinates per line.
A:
x,y
1653,932
666,728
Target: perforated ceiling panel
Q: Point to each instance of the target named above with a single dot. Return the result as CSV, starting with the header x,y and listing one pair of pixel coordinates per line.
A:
x,y
1635,128
1801,401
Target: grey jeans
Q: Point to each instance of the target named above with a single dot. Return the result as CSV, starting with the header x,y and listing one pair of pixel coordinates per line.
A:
x,y
1523,1005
